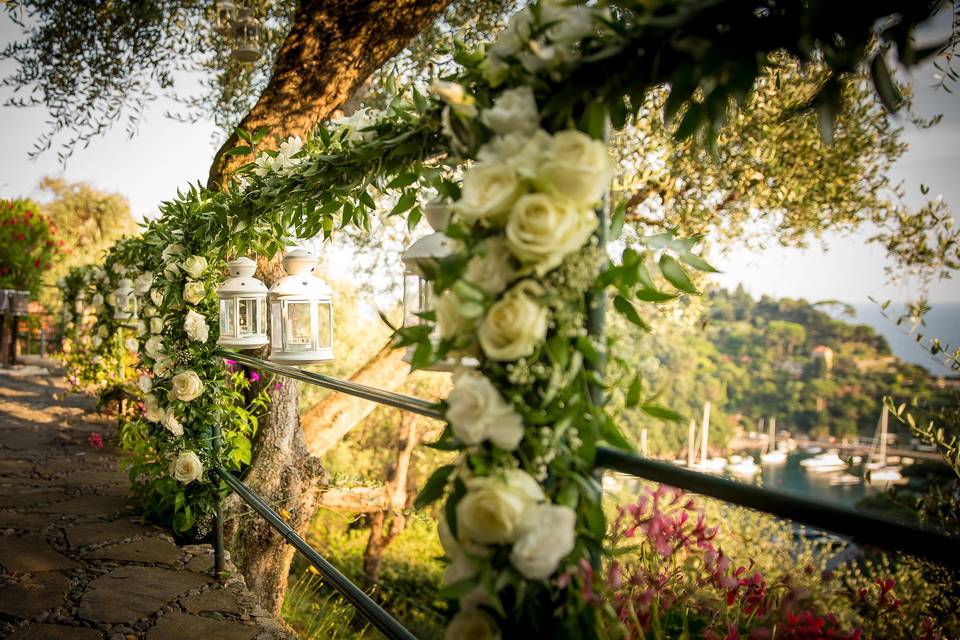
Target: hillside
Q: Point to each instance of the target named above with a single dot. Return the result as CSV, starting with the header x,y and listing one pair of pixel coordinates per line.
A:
x,y
769,357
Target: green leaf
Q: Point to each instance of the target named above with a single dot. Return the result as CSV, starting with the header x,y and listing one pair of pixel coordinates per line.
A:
x,y
626,308
405,201
610,432
661,413
633,392
238,151
403,180
675,274
458,589
616,220
652,295
594,120
698,263
887,89
434,487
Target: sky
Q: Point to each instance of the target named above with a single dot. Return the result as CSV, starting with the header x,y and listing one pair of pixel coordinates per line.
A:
x,y
165,155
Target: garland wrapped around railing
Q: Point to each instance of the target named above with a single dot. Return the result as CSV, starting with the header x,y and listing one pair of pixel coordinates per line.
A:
x,y
521,523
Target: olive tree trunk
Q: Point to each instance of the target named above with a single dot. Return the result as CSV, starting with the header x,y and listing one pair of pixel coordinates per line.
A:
x,y
332,47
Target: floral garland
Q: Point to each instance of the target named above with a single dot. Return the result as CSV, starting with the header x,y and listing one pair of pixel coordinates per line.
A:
x,y
522,522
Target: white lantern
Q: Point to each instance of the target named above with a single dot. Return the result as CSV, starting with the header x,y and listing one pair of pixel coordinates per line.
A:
x,y
243,307
225,12
6,296
246,37
301,313
125,301
417,292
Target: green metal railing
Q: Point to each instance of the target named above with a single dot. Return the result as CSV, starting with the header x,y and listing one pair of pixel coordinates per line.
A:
x,y
859,527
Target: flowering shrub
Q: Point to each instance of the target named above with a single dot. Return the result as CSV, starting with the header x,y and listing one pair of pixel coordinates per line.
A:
x,y
669,576
28,245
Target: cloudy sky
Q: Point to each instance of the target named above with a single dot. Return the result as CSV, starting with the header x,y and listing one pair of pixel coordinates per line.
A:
x,y
165,155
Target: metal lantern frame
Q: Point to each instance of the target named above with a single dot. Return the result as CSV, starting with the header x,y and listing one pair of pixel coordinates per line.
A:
x,y
6,300
243,307
125,301
246,36
417,290
19,302
225,13
301,313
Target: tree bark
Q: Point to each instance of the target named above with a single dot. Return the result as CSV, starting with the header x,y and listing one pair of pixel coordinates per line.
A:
x,y
386,524
332,47
287,477
327,422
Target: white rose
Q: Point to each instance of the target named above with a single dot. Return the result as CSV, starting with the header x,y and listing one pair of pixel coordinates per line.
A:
x,y
489,191
153,412
97,301
451,319
162,367
97,341
156,325
171,424
514,325
455,96
186,386
548,534
543,230
491,270
513,111
522,152
149,310
186,467
171,251
477,412
143,282
492,509
154,346
472,624
196,326
355,123
156,296
141,328
194,292
195,266
577,168
132,345
145,383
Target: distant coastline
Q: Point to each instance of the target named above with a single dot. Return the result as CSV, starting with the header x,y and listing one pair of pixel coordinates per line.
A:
x,y
943,322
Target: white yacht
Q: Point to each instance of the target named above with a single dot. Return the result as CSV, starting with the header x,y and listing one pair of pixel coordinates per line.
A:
x,y
824,463
745,467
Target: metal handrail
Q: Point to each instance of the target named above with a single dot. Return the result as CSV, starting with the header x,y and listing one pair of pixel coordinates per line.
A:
x,y
389,398
368,608
861,527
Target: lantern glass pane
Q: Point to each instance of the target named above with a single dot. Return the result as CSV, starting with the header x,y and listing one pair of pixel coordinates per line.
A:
x,y
324,325
226,318
299,325
276,327
248,319
411,299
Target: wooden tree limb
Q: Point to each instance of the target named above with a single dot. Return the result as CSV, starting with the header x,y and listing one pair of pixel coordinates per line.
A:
x,y
332,47
327,422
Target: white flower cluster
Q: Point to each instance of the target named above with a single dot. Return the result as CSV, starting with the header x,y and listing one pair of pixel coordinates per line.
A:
x,y
540,190
280,162
543,38
533,196
356,127
508,509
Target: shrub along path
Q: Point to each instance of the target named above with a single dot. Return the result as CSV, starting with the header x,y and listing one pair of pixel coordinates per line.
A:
x,y
75,563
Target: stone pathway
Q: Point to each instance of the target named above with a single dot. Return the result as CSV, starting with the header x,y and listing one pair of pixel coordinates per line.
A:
x,y
75,562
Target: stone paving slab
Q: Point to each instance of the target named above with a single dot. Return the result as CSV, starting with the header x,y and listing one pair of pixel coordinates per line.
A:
x,y
84,535
129,593
26,555
150,550
33,594
175,626
74,563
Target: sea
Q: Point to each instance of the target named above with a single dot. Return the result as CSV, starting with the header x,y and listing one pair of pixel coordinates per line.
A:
x,y
942,322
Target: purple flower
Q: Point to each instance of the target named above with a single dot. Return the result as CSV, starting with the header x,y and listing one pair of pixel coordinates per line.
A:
x,y
278,386
254,376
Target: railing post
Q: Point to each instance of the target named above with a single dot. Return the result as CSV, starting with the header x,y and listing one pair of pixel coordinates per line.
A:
x,y
218,514
3,336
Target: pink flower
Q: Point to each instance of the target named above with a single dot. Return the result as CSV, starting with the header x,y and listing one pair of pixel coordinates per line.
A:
x,y
254,376
231,364
95,440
